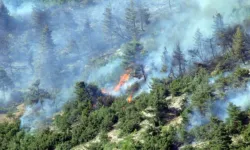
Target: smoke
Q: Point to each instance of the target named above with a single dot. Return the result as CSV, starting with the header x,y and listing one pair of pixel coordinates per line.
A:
x,y
238,97
196,118
20,9
82,53
40,115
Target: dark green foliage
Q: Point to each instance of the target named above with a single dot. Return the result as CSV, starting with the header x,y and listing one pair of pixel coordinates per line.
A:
x,y
158,97
221,139
241,73
131,120
130,144
223,64
180,85
133,52
215,132
95,146
12,137
223,82
81,118
246,135
155,140
235,120
201,97
238,45
86,91
7,132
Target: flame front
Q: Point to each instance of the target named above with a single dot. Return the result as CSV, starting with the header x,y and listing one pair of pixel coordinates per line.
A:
x,y
130,98
123,79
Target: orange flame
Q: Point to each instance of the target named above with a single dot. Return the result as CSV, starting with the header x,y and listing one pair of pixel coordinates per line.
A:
x,y
130,98
123,79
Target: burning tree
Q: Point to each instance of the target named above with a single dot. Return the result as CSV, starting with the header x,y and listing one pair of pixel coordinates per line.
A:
x,y
124,78
133,57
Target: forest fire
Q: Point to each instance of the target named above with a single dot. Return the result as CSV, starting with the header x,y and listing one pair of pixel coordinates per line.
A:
x,y
130,98
123,79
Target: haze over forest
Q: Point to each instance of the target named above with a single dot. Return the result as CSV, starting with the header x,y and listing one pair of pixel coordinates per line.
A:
x,y
124,74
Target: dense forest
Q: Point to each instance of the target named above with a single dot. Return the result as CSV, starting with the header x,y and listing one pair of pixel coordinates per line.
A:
x,y
124,74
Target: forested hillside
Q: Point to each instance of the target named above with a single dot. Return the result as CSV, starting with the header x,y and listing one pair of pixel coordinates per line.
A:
x,y
124,74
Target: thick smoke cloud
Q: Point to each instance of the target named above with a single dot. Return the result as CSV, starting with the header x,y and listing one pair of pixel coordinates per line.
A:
x,y
77,52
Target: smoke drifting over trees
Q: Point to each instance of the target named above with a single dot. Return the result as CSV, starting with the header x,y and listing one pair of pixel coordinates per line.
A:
x,y
48,46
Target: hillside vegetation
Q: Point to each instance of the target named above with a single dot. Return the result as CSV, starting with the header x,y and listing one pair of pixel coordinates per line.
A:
x,y
128,78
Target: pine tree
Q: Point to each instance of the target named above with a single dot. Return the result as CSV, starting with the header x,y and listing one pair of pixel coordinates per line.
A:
x,y
108,25
144,16
131,22
179,60
238,45
132,59
48,68
221,139
235,119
